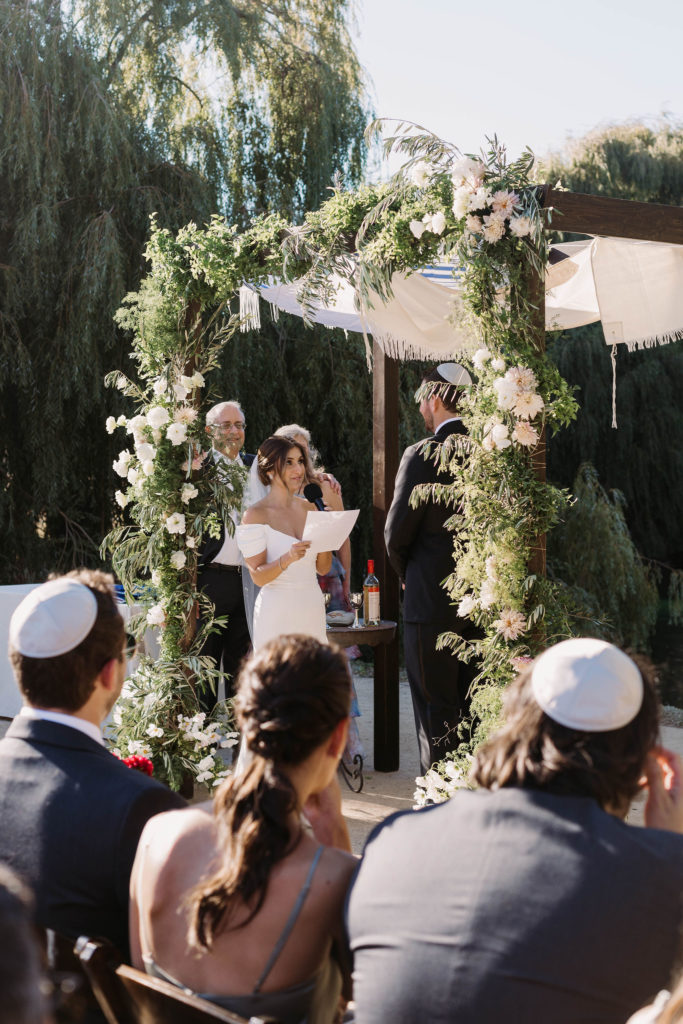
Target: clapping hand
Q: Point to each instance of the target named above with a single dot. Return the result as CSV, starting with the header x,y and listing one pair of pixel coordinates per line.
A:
x,y
664,783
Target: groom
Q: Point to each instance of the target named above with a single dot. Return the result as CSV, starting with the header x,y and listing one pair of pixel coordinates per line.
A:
x,y
220,570
420,549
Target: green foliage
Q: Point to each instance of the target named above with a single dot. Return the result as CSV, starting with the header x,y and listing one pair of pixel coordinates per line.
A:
x,y
592,552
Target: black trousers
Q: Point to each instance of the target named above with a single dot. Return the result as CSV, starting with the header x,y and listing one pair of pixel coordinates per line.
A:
x,y
439,686
229,645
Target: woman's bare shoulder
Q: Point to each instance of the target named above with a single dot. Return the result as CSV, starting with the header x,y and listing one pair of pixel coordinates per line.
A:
x,y
256,515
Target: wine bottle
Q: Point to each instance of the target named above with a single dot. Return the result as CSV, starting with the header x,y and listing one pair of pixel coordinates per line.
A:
x,y
371,596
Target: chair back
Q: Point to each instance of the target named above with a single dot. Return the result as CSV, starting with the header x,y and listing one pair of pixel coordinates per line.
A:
x,y
129,996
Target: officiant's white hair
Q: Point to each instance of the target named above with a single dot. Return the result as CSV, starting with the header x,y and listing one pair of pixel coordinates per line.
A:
x,y
215,410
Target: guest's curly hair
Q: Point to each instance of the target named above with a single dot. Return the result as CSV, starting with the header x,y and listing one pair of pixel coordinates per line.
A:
x,y
291,695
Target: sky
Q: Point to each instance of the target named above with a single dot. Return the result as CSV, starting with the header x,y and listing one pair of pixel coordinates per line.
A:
x,y
535,73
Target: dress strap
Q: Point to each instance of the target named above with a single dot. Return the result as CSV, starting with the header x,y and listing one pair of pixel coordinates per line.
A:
x,y
291,920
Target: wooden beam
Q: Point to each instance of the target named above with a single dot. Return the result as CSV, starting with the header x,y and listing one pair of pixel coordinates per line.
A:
x,y
384,467
615,218
536,292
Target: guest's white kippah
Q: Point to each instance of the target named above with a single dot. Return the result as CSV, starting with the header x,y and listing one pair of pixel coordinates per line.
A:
x,y
53,619
587,684
454,373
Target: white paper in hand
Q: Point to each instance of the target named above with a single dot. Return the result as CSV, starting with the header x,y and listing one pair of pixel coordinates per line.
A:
x,y
327,531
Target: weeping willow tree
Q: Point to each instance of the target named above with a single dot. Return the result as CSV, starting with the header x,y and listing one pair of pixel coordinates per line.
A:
x,y
109,112
643,458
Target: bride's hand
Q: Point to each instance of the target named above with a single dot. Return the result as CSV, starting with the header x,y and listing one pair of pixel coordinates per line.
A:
x,y
298,550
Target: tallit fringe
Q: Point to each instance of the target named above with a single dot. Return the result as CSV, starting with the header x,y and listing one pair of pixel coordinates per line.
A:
x,y
250,311
654,340
396,348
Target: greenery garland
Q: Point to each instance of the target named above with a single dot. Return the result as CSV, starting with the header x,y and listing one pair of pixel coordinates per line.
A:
x,y
479,212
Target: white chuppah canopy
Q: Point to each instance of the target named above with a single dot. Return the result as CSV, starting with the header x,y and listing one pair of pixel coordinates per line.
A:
x,y
634,287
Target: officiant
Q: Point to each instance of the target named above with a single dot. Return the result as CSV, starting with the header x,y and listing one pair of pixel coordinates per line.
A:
x,y
220,568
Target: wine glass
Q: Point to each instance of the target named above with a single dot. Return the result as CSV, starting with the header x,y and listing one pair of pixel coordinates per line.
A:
x,y
356,599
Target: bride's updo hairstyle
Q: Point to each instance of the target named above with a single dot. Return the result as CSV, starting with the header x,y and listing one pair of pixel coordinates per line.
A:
x,y
272,455
291,694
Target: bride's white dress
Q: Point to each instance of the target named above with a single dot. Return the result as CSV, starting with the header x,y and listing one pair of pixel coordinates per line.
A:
x,y
291,603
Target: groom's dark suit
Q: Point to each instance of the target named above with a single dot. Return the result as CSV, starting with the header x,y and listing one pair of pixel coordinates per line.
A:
x,y
71,815
222,584
421,551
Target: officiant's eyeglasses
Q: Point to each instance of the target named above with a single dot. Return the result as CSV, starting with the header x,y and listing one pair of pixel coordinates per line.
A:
x,y
224,428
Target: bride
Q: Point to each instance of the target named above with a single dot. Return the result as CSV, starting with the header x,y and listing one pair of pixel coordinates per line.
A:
x,y
279,561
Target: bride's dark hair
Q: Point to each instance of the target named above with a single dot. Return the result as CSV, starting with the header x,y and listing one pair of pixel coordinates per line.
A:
x,y
291,695
272,455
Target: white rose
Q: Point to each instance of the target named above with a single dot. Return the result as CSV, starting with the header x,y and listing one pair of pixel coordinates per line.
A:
x,y
437,223
121,498
506,391
148,467
197,379
157,417
145,451
178,559
461,202
136,424
156,616
417,228
159,386
188,493
180,391
190,541
420,173
177,433
133,475
468,170
480,357
500,436
479,200
110,425
176,523
467,605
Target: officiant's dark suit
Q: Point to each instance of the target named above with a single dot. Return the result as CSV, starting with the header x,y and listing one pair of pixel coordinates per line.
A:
x,y
71,813
421,551
220,569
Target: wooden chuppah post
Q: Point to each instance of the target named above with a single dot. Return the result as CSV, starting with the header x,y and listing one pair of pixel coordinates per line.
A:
x,y
384,468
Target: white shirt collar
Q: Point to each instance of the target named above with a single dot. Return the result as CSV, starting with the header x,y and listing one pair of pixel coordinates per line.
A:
x,y
39,714
451,419
220,456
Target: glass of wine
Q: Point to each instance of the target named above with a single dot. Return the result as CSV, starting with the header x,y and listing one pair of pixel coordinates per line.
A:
x,y
356,602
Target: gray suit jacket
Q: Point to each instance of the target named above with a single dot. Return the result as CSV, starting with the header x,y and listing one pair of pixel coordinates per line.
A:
x,y
71,815
515,906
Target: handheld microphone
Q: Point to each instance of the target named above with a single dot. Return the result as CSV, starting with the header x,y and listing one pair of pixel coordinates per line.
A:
x,y
313,494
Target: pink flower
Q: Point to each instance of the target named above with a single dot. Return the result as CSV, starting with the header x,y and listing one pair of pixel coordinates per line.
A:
x,y
528,405
494,227
520,226
504,202
511,624
525,434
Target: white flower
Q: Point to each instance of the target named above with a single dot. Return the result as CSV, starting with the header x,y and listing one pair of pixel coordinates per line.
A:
x,y
197,380
479,200
420,173
461,202
511,624
488,443
188,492
498,364
467,170
504,202
190,542
491,568
499,436
156,577
185,414
525,434
148,467
231,740
121,498
177,433
417,228
136,424
434,222
145,451
520,226
467,605
487,594
178,559
156,436
506,391
121,421
481,356
110,424
159,386
121,382
176,523
181,392
133,475
473,223
156,616
155,731
157,416
528,405
206,763
494,228
522,377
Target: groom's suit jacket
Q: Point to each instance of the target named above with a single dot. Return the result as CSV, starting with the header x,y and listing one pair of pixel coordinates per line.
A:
x,y
420,548
71,815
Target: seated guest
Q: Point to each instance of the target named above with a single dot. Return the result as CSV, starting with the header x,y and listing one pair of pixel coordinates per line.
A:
x,y
261,899
71,812
21,998
531,899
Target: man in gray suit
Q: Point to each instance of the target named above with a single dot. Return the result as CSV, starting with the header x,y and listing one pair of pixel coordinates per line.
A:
x,y
420,549
71,812
531,899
